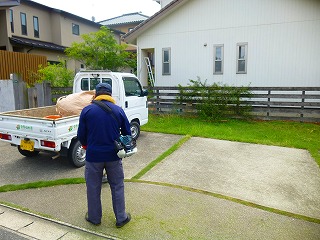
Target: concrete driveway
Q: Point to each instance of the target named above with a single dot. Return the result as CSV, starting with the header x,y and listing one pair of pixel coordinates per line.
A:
x,y
207,189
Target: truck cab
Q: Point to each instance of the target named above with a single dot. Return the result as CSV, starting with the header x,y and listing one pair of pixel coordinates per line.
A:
x,y
126,90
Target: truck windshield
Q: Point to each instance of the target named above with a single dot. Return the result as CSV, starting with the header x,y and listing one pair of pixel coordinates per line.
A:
x,y
92,82
132,86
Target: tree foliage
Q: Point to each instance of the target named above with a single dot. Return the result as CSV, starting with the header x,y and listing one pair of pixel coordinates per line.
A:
x,y
100,50
57,74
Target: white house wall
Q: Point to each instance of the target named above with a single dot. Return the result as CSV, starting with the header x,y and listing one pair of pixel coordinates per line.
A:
x,y
283,42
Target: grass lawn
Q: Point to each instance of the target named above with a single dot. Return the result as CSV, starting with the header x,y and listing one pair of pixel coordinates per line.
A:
x,y
277,133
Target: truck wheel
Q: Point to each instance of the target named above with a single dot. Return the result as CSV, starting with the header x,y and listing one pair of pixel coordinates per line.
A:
x,y
76,154
135,129
28,153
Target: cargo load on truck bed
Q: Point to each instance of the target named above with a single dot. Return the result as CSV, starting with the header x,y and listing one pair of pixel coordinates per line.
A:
x,y
38,113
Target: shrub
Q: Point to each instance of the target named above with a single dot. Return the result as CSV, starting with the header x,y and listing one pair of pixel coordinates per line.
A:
x,y
216,101
57,74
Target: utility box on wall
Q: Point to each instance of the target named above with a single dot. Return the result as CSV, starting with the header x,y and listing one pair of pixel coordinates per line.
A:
x,y
13,94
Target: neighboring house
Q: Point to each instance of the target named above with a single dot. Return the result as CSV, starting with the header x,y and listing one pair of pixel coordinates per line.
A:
x,y
163,3
33,28
234,42
125,23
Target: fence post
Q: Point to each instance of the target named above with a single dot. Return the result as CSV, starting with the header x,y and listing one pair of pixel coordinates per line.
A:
x,y
32,97
20,92
40,94
158,103
47,93
302,105
44,96
7,93
268,106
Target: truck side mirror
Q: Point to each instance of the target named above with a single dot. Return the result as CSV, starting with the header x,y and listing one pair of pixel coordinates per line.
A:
x,y
144,93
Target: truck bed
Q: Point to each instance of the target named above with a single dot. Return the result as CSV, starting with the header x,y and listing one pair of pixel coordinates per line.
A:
x,y
35,125
37,113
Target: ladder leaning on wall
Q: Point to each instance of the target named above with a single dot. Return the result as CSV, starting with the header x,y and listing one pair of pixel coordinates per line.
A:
x,y
150,74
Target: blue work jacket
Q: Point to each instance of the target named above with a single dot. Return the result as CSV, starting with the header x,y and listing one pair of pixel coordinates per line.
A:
x,y
98,129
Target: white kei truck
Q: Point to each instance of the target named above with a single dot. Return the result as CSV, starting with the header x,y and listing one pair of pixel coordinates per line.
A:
x,y
31,132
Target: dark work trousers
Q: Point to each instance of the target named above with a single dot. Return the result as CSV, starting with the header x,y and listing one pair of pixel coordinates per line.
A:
x,y
115,175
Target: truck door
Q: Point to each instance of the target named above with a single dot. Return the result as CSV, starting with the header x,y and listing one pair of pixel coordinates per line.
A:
x,y
135,104
115,87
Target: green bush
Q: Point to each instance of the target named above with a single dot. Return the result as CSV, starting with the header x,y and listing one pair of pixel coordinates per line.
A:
x,y
216,101
57,74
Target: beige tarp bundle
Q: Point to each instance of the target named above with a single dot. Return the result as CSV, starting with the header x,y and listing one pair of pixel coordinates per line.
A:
x,y
72,104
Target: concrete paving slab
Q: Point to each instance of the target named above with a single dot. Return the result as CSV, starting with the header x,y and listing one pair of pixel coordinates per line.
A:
x,y
8,234
163,212
17,224
12,220
82,236
150,146
17,169
44,230
284,178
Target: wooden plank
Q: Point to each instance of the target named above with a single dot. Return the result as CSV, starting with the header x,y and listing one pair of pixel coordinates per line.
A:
x,y
40,94
315,104
32,97
47,94
249,88
286,110
284,88
291,96
297,119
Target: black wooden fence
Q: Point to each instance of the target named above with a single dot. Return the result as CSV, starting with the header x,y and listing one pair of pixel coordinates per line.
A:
x,y
268,103
57,92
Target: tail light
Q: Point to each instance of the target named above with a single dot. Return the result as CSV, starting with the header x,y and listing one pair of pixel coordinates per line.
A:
x,y
48,144
5,136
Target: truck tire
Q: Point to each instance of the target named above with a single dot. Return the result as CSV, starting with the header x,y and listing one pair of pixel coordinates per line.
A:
x,y
135,129
76,154
28,153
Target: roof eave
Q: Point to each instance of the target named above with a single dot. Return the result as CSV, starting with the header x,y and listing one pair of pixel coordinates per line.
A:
x,y
124,23
131,37
63,13
36,44
9,3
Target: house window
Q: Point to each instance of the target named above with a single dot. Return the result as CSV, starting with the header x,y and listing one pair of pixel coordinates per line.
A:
x,y
166,61
23,18
75,29
218,59
242,57
11,20
36,27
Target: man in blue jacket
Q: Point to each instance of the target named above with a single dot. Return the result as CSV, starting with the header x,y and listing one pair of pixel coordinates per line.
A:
x,y
97,131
